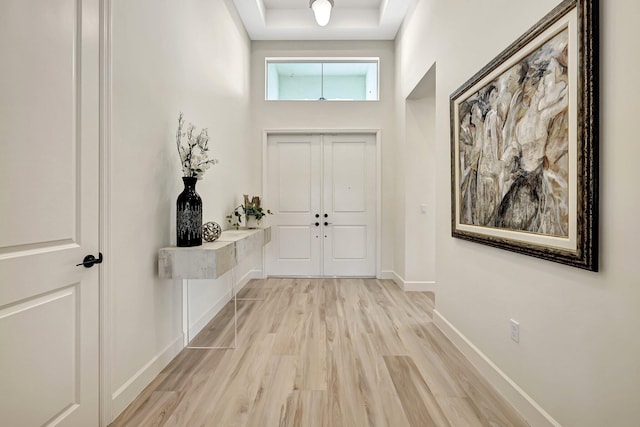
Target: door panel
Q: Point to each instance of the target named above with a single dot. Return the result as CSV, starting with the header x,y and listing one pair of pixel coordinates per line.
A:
x,y
58,312
350,242
39,50
295,243
350,191
49,141
347,173
316,180
295,180
294,176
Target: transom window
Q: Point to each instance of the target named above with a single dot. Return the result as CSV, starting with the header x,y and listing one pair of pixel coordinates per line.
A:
x,y
313,79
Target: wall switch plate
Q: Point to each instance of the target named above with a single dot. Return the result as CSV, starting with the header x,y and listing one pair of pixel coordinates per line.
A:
x,y
515,330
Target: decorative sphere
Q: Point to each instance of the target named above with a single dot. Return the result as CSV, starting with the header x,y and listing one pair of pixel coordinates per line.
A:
x,y
211,231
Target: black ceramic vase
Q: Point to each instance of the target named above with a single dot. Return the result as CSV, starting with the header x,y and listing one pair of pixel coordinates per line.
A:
x,y
189,214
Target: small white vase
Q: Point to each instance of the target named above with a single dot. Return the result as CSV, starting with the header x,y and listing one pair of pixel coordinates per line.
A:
x,y
252,222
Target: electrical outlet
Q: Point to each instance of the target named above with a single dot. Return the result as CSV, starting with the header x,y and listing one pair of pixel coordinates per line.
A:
x,y
515,330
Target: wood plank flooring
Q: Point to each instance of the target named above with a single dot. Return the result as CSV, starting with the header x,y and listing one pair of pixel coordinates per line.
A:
x,y
325,353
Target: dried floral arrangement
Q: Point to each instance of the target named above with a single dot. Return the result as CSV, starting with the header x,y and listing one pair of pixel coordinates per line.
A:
x,y
193,150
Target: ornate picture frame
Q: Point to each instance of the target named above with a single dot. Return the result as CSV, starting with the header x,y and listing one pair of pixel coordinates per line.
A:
x,y
524,143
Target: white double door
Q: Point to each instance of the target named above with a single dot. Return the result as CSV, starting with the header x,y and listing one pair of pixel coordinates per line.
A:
x,y
322,190
49,163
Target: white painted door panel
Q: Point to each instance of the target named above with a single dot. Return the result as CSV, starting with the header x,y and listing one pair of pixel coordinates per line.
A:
x,y
49,142
350,204
323,188
294,178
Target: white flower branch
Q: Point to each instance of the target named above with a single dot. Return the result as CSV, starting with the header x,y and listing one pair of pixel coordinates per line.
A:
x,y
193,150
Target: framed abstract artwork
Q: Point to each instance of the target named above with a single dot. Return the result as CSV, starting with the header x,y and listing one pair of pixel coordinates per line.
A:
x,y
524,143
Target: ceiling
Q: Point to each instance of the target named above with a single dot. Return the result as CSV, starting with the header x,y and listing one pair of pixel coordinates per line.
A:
x,y
350,19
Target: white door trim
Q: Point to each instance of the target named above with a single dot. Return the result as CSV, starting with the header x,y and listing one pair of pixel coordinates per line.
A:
x,y
376,132
104,221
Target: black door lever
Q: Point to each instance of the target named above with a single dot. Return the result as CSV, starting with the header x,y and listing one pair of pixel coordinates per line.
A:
x,y
89,260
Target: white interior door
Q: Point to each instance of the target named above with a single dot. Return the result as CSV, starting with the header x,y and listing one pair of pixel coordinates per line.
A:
x,y
349,205
322,190
294,177
49,162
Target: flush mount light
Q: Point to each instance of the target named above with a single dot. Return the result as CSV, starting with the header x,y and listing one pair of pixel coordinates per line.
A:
x,y
321,10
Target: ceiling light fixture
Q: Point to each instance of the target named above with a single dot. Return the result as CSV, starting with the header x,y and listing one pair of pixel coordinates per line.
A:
x,y
321,10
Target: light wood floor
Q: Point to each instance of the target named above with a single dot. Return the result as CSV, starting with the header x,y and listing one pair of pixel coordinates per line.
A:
x,y
322,352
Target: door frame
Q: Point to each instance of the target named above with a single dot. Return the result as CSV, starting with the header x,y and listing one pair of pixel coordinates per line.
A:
x,y
104,221
324,131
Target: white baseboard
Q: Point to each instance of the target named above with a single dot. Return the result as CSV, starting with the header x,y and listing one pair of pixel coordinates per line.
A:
x,y
533,413
419,286
387,275
126,393
406,285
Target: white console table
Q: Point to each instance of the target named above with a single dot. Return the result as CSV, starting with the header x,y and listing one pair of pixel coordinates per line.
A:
x,y
212,260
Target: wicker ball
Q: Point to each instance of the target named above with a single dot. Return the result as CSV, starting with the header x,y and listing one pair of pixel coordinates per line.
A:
x,y
211,231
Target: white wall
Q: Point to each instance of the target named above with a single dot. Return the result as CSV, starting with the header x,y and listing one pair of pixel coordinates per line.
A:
x,y
578,356
418,166
167,57
332,114
414,243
